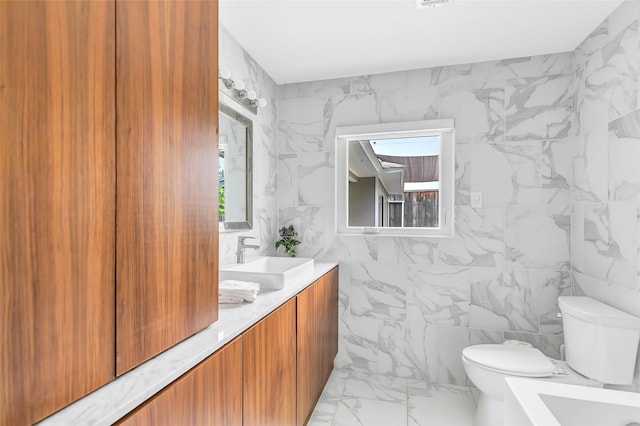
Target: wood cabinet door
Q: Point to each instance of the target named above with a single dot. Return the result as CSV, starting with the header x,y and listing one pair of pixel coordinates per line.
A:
x,y
57,204
210,394
167,156
310,318
270,369
330,322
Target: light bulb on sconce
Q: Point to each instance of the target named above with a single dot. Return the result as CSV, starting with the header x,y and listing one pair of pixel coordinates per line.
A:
x,y
251,95
225,73
238,85
259,103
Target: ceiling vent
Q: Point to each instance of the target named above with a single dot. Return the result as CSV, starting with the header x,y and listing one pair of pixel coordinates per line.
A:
x,y
424,4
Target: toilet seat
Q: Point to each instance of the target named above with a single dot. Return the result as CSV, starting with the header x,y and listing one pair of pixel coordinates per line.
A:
x,y
514,360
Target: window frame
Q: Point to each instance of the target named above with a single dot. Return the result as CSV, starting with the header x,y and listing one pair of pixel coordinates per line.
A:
x,y
443,127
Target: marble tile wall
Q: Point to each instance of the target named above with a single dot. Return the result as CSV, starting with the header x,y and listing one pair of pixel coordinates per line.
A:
x,y
551,141
605,239
265,163
408,306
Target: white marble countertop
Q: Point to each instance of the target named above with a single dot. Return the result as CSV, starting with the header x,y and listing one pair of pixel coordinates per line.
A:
x,y
118,397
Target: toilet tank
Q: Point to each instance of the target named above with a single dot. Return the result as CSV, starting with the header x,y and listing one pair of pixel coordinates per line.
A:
x,y
601,342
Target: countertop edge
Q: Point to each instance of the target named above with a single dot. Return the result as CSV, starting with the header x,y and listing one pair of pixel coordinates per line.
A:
x,y
119,397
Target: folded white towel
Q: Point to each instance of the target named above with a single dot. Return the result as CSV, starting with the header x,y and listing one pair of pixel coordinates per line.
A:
x,y
230,300
250,298
233,291
239,292
238,285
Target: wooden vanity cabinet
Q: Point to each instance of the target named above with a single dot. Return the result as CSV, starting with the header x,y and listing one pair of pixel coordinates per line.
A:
x,y
273,374
309,349
167,199
270,369
210,394
317,331
57,204
330,330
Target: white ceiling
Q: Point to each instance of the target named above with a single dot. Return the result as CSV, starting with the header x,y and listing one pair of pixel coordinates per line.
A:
x,y
304,40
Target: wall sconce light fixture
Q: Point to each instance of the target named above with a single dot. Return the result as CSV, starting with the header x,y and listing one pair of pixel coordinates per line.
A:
x,y
236,89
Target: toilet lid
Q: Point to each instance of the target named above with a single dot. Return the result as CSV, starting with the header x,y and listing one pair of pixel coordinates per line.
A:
x,y
517,359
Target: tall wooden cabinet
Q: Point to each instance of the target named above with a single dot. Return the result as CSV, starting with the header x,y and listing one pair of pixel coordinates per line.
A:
x,y
108,200
167,152
57,204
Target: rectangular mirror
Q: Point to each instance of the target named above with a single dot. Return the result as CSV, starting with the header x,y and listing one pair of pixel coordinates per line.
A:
x,y
235,170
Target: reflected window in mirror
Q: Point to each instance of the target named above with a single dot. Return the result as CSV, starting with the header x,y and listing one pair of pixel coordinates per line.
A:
x,y
235,164
396,178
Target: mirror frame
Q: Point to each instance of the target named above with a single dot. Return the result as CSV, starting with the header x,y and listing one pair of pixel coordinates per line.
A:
x,y
226,106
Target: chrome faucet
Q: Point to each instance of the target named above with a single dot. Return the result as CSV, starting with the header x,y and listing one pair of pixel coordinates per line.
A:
x,y
242,246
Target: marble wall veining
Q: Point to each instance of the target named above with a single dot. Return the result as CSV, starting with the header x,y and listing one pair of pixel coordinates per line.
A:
x,y
408,306
265,163
605,218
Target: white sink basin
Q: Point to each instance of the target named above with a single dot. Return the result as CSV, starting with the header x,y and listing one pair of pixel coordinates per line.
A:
x,y
273,273
540,403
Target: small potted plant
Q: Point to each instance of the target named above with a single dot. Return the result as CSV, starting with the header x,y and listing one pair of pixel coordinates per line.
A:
x,y
288,240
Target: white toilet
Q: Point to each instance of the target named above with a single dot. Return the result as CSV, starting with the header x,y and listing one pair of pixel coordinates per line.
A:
x,y
601,345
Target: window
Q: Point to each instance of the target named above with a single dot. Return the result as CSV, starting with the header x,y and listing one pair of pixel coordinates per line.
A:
x,y
395,178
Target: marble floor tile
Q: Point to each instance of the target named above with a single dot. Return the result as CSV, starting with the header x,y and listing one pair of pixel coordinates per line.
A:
x,y
337,381
356,399
353,411
383,388
325,410
447,405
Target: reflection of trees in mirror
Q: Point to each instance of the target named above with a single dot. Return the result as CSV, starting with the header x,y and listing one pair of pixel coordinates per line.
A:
x,y
221,185
220,203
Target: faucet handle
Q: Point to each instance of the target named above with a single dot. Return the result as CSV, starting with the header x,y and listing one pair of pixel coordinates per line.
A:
x,y
242,239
